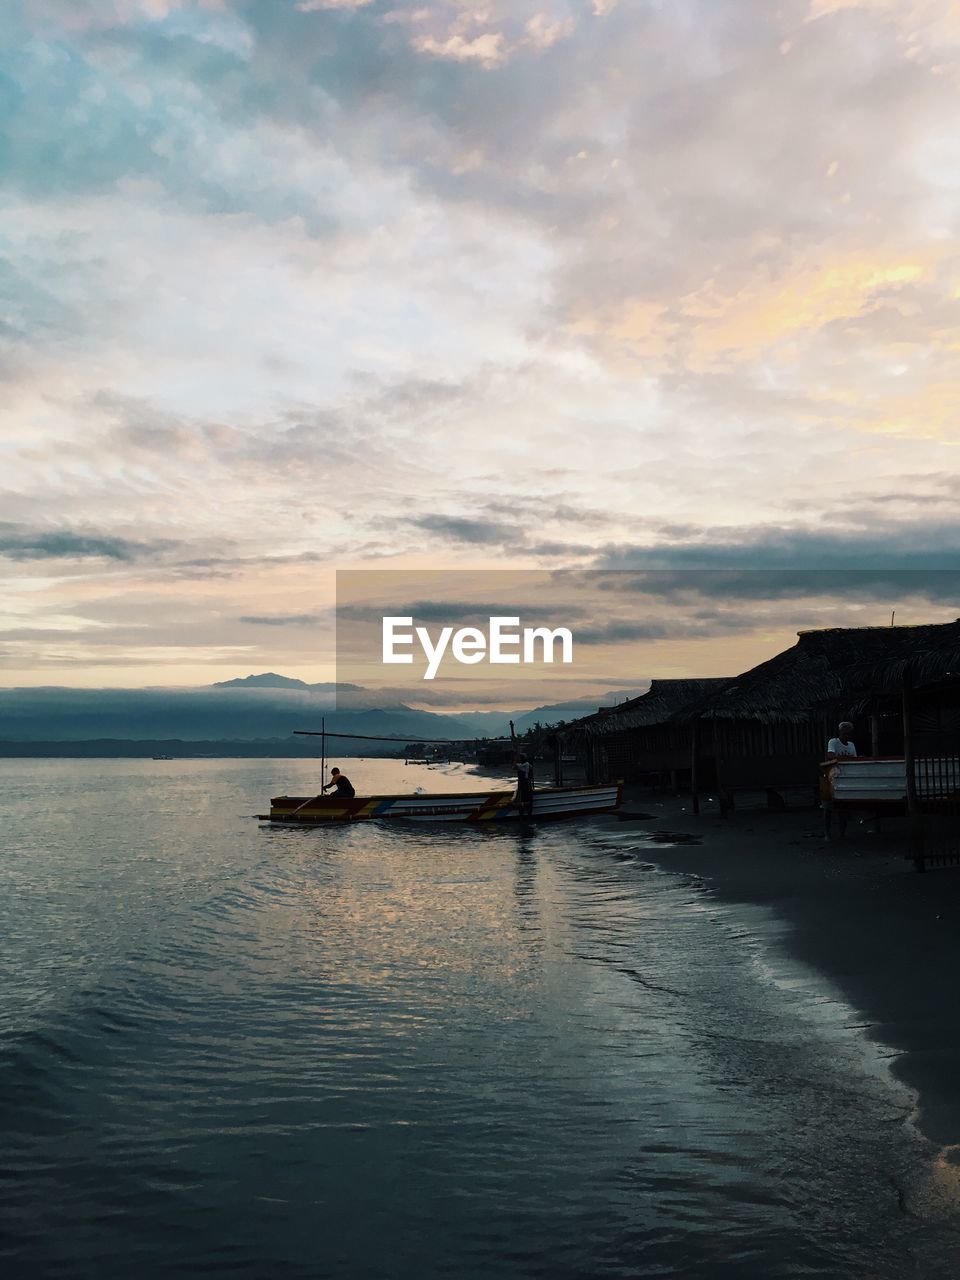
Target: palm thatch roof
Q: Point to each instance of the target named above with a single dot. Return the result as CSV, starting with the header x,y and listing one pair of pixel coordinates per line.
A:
x,y
659,705
936,658
819,670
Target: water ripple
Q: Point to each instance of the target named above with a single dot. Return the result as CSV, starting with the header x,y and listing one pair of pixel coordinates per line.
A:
x,y
388,1053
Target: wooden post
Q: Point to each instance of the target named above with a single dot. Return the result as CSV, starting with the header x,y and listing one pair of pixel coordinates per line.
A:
x,y
914,816
721,797
874,729
694,775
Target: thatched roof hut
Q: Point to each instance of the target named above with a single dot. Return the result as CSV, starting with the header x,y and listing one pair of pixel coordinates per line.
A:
x,y
921,687
768,728
818,672
644,736
659,705
935,658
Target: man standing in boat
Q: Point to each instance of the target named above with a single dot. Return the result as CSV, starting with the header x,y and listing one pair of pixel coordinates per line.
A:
x,y
524,785
343,784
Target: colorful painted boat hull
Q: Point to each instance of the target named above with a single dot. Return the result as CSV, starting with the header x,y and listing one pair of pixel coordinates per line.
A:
x,y
466,806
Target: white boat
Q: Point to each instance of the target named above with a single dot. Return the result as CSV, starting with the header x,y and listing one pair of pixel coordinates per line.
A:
x,y
882,781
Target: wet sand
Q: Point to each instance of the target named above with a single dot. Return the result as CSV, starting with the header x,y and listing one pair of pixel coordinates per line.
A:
x,y
857,911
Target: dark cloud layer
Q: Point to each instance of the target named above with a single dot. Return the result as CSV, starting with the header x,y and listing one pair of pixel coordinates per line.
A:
x,y
20,544
925,552
455,612
459,529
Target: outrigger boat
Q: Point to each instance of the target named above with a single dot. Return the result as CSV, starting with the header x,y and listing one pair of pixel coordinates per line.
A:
x,y
457,806
460,806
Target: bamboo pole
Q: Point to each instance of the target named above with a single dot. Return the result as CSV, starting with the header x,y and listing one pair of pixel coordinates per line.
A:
x,y
914,816
694,773
721,797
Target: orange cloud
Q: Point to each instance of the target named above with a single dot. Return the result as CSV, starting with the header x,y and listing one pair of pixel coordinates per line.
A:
x,y
762,313
929,412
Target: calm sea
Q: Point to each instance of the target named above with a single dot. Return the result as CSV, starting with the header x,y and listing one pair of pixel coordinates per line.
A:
x,y
382,1052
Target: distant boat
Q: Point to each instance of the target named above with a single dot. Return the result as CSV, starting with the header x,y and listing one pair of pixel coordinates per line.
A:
x,y
465,806
163,757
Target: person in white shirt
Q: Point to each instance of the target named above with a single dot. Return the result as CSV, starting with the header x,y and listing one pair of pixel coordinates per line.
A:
x,y
841,745
839,748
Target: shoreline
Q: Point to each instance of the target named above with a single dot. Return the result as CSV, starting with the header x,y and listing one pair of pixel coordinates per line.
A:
x,y
856,911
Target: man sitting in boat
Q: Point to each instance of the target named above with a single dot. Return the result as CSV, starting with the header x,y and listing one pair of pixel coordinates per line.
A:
x,y
343,784
524,785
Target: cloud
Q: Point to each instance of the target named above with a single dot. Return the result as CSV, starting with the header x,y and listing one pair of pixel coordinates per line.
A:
x,y
18,544
772,586
453,612
488,49
159,109
282,620
617,632
296,287
458,529
543,32
928,552
313,6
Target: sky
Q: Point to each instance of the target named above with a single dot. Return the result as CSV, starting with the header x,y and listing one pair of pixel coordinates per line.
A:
x,y
290,287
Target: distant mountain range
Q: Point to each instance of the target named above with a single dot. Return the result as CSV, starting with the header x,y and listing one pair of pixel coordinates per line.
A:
x,y
270,680
250,709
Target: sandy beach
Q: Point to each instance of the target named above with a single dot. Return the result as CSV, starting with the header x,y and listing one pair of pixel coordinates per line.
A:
x,y
857,911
